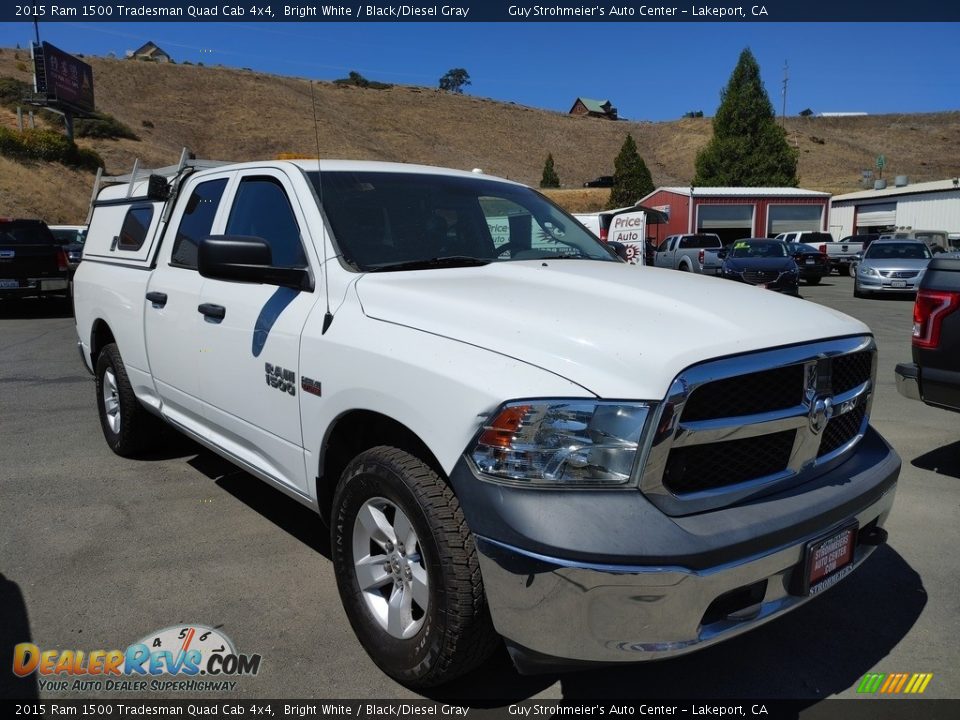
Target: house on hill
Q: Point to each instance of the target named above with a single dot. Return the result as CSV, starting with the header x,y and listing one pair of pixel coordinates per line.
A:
x,y
594,108
150,51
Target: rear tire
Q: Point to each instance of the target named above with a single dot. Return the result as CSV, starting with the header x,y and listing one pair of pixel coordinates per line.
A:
x,y
127,427
407,570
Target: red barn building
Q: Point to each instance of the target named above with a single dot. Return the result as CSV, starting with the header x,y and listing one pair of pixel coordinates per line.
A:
x,y
737,212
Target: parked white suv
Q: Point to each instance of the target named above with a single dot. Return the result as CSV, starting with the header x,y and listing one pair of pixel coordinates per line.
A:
x,y
510,432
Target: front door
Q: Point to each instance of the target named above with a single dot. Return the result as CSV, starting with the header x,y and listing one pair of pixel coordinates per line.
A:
x,y
250,356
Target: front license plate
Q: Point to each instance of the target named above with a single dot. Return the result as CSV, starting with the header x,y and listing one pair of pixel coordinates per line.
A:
x,y
898,283
811,261
9,284
829,559
762,285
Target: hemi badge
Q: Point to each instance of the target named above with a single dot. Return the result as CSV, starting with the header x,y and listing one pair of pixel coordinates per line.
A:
x,y
310,386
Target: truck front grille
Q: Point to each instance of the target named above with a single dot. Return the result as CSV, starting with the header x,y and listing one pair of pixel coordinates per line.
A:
x,y
739,427
705,467
768,390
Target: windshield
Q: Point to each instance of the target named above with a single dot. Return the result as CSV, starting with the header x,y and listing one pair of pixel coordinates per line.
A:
x,y
758,249
386,221
898,251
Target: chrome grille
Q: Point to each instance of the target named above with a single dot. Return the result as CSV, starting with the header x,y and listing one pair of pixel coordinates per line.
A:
x,y
901,274
736,428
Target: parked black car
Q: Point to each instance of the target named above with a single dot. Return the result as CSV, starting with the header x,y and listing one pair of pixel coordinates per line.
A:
x,y
811,263
761,262
71,237
604,181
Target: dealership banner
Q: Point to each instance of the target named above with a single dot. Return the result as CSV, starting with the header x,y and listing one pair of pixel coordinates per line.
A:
x,y
854,11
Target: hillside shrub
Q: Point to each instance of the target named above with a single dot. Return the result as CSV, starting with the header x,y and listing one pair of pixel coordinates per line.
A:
x,y
355,78
104,126
49,146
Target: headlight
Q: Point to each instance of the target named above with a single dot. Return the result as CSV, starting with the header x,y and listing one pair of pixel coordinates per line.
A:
x,y
867,271
562,442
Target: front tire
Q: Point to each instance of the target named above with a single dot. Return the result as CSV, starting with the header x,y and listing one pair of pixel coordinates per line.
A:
x,y
127,427
407,570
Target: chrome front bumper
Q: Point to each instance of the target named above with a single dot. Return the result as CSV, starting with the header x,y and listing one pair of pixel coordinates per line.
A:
x,y
614,613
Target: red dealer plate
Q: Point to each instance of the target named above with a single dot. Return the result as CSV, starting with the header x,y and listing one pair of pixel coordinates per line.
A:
x,y
829,559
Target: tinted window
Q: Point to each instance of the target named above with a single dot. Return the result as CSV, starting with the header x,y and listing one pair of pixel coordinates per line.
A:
x,y
261,209
16,232
898,251
699,242
196,222
816,237
758,249
135,226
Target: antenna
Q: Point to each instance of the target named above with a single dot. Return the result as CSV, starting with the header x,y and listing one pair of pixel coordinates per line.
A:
x,y
786,77
327,316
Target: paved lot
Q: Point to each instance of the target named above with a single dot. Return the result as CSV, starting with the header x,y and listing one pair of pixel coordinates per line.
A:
x,y
96,552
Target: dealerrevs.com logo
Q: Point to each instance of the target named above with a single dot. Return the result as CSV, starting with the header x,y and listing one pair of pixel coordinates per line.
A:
x,y
188,658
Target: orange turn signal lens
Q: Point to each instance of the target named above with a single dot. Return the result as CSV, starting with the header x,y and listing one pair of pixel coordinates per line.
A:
x,y
500,432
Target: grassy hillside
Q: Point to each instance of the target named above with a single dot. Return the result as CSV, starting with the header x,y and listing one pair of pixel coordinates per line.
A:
x,y
241,115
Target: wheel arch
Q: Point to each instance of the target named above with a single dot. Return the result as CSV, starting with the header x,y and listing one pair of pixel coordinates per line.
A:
x,y
100,336
355,431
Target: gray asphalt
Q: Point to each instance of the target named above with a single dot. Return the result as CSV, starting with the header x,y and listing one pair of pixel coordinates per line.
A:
x,y
97,552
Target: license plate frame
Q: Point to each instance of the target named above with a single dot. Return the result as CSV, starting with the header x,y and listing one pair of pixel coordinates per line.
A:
x,y
898,283
811,261
820,549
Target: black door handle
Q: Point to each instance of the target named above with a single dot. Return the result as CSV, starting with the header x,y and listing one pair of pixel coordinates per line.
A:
x,y
157,298
215,312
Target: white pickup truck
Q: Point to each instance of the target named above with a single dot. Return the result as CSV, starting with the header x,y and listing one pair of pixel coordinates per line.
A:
x,y
496,459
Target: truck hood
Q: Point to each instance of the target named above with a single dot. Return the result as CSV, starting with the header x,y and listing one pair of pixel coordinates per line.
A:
x,y
618,330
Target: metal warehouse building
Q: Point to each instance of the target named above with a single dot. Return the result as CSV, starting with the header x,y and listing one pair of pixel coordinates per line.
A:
x,y
737,212
921,206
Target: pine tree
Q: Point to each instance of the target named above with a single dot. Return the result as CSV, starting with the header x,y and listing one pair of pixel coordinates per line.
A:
x,y
631,178
550,178
748,148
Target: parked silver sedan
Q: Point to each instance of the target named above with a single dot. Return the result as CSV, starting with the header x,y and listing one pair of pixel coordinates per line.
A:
x,y
891,266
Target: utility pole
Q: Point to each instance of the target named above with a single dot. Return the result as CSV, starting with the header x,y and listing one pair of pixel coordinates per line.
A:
x,y
783,113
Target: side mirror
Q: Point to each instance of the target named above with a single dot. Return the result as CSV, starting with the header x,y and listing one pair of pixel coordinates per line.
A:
x,y
722,254
620,249
246,259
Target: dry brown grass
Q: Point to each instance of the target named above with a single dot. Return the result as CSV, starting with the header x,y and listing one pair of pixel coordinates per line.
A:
x,y
240,115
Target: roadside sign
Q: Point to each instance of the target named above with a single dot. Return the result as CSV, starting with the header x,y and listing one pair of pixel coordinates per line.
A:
x,y
630,229
881,162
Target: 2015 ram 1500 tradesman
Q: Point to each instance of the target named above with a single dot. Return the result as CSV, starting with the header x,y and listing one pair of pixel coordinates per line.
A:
x,y
416,353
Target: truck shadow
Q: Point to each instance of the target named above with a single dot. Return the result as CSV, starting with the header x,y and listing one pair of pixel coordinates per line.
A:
x,y
943,460
286,513
14,629
35,308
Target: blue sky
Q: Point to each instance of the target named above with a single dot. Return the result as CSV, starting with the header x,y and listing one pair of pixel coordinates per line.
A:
x,y
652,71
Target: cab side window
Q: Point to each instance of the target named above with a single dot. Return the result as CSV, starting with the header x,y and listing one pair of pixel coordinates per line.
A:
x,y
261,209
196,222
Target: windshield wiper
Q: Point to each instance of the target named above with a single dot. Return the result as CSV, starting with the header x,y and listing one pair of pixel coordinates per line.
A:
x,y
449,261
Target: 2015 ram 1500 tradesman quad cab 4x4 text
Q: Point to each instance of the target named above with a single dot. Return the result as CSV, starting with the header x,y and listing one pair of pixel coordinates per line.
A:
x,y
417,354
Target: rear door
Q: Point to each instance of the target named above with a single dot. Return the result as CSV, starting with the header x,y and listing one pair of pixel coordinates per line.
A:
x,y
171,321
250,359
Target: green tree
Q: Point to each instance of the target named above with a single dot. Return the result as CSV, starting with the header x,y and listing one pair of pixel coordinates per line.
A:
x,y
550,178
631,177
455,80
748,148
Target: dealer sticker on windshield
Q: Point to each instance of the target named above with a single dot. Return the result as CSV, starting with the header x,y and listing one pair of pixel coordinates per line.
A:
x,y
830,559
